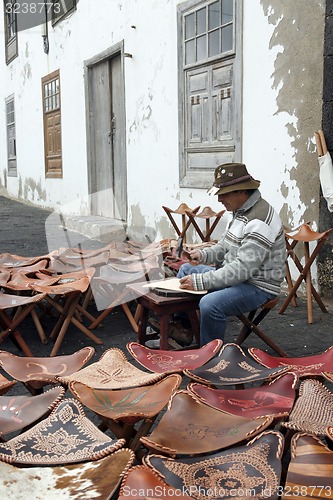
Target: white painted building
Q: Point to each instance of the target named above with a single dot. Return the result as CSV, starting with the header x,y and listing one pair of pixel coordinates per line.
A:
x,y
146,100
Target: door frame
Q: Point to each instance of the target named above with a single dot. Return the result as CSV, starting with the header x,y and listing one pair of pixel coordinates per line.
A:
x,y
109,53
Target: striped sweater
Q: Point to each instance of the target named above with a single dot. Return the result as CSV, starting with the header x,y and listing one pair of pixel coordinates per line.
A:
x,y
252,249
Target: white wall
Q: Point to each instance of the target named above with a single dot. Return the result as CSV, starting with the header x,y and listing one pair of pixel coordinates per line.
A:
x,y
151,91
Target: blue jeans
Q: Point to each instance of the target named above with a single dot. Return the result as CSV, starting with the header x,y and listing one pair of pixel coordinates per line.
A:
x,y
217,305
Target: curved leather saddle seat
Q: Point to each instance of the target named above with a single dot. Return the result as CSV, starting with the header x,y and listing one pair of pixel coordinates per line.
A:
x,y
305,233
232,367
65,436
182,209
208,213
77,281
9,260
128,405
141,482
26,281
254,467
275,399
310,469
84,480
113,276
135,264
173,361
306,366
41,265
17,412
5,384
78,261
191,427
313,409
8,301
112,371
38,372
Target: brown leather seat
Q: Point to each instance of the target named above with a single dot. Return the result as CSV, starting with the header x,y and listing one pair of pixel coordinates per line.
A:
x,y
191,427
17,412
249,471
65,436
36,372
233,367
120,410
98,479
141,482
275,399
310,470
306,366
173,361
112,371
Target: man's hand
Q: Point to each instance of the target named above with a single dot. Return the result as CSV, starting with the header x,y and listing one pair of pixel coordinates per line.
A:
x,y
193,257
186,283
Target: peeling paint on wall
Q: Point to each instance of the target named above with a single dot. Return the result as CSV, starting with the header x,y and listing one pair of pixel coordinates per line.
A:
x,y
32,190
299,36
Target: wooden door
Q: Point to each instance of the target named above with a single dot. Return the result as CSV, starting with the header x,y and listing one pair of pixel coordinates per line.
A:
x,y
107,163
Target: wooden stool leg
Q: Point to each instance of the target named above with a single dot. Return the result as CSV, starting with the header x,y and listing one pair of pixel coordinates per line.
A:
x,y
308,284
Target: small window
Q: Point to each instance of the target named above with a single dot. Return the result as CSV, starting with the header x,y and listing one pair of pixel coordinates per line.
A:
x,y
11,137
10,29
61,9
52,124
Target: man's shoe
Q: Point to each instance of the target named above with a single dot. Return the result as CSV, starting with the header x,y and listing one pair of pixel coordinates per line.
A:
x,y
155,344
183,336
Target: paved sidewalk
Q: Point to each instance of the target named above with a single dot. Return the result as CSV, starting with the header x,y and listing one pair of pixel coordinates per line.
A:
x,y
23,233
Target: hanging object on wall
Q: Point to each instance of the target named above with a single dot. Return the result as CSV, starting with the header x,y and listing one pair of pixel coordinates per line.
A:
x,y
326,169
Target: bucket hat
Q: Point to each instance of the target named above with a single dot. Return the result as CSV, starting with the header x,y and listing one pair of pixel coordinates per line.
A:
x,y
232,177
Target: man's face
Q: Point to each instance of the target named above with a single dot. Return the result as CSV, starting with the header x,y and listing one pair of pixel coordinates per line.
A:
x,y
234,200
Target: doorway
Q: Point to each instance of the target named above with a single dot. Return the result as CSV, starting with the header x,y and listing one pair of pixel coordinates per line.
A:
x,y
105,104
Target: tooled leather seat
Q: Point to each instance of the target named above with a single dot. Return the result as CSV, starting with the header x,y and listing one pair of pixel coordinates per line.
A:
x,y
173,361
305,366
254,467
112,371
36,372
120,410
65,436
275,399
233,367
191,427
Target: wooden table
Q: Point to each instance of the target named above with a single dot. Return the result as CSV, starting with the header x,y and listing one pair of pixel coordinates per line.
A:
x,y
164,308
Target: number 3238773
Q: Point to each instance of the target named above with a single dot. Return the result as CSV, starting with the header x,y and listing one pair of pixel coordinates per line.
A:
x,y
306,491
32,7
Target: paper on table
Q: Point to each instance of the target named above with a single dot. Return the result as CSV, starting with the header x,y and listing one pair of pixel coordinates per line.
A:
x,y
171,284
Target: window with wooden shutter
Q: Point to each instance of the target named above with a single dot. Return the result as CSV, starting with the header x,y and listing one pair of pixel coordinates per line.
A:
x,y
11,137
52,124
10,19
209,88
61,9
